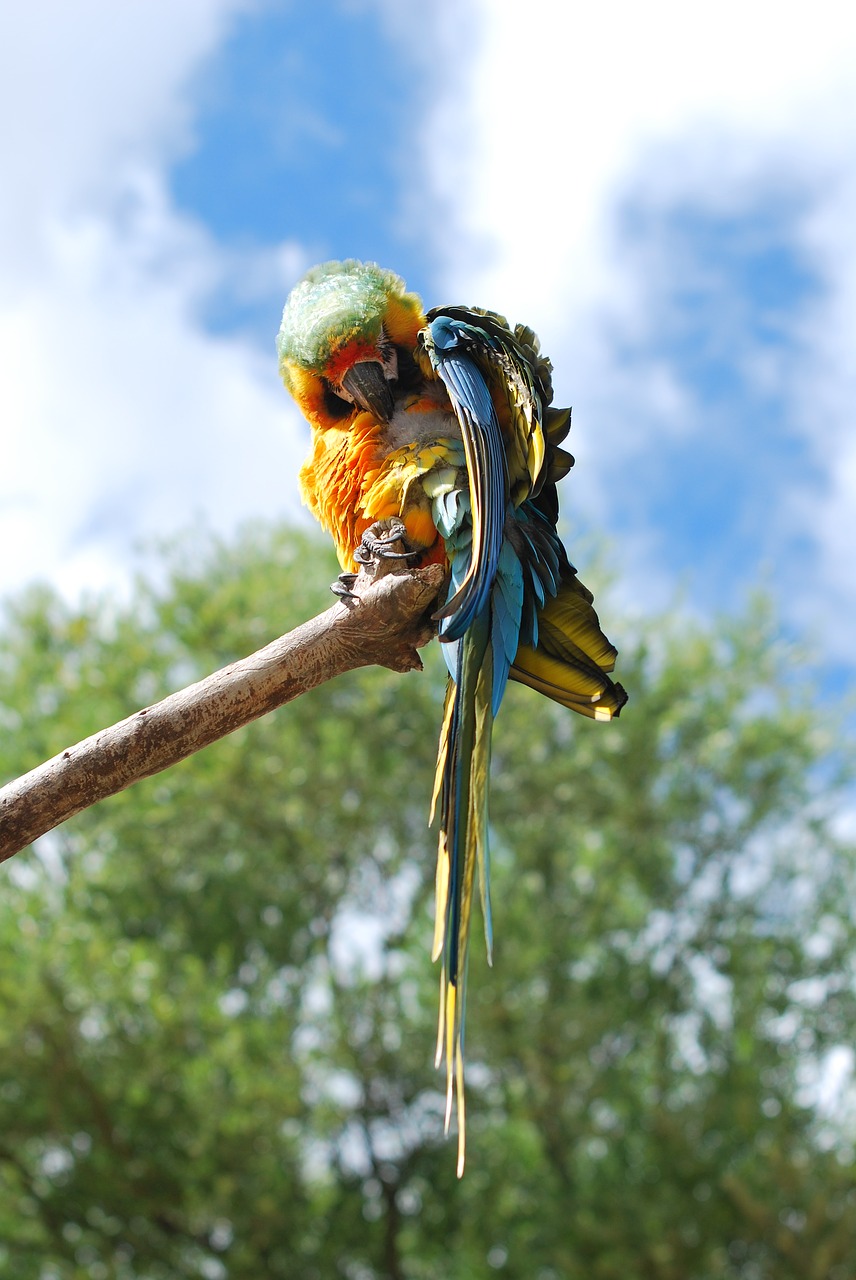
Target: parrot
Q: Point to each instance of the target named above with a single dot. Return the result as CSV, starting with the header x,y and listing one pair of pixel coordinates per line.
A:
x,y
435,430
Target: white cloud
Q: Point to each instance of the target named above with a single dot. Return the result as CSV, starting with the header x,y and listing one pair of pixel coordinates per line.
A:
x,y
122,418
557,112
567,114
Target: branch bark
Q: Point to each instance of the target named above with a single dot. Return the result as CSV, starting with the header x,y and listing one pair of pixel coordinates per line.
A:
x,y
384,627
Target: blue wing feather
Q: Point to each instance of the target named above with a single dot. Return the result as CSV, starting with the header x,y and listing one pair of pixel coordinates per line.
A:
x,y
486,467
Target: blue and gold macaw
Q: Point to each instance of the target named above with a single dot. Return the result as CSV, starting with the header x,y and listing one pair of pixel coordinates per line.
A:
x,y
441,422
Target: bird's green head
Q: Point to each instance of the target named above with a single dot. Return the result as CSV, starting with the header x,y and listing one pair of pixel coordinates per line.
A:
x,y
338,340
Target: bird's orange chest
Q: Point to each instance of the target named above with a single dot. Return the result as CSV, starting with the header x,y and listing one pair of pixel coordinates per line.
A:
x,y
352,479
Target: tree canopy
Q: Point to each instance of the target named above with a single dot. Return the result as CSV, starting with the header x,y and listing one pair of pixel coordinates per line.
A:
x,y
217,1010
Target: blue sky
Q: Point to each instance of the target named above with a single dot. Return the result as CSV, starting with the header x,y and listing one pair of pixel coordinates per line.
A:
x,y
305,121
727,301
668,197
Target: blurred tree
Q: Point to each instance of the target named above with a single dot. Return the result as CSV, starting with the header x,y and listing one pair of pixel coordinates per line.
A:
x,y
217,1010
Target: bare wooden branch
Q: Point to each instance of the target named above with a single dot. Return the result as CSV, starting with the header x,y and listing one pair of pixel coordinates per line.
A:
x,y
384,627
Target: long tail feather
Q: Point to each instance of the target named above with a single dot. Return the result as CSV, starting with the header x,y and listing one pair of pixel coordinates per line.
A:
x,y
463,764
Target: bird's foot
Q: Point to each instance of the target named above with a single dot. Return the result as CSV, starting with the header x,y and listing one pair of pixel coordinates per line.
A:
x,y
375,556
377,540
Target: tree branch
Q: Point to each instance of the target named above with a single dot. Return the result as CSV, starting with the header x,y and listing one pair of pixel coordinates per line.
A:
x,y
384,627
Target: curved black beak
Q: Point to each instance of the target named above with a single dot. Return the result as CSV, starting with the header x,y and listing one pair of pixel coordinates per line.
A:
x,y
366,384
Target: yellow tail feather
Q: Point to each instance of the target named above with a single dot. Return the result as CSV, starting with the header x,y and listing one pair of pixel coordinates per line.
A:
x,y
460,796
441,896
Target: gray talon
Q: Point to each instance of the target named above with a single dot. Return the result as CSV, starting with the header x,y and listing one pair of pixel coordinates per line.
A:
x,y
343,586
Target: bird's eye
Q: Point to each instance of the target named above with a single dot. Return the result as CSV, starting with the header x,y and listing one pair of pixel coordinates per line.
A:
x,y
334,404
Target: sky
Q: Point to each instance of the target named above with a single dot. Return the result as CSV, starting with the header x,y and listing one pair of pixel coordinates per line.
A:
x,y
667,194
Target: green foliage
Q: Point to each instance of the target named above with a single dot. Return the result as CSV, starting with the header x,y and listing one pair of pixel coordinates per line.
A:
x,y
218,1011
